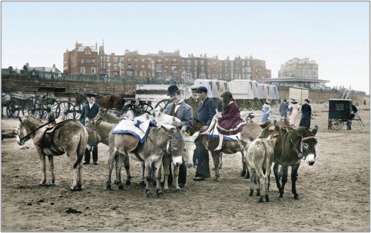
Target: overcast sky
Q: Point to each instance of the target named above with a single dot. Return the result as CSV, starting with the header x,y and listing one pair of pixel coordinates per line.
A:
x,y
334,34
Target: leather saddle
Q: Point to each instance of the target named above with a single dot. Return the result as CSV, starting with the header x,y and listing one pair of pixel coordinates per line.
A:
x,y
44,136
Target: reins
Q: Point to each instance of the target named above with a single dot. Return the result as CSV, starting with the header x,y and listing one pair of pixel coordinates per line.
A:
x,y
32,132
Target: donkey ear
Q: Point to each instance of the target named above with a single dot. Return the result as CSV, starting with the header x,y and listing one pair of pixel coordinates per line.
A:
x,y
20,119
314,131
195,136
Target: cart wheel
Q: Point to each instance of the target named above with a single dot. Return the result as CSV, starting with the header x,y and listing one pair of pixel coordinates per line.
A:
x,y
336,124
66,109
13,108
135,108
32,107
146,108
77,110
50,105
163,103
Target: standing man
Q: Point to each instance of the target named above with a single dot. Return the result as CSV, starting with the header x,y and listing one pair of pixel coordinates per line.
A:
x,y
205,114
90,110
193,101
306,114
283,109
183,112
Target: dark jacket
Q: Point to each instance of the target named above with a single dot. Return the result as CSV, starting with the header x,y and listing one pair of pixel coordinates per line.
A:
x,y
184,113
206,111
89,113
306,111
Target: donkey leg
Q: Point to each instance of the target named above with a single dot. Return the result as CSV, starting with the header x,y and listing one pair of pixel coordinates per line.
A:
x,y
119,160
167,167
244,167
252,176
142,182
43,169
284,179
277,178
157,171
72,156
128,173
215,156
294,177
147,173
51,169
110,168
176,177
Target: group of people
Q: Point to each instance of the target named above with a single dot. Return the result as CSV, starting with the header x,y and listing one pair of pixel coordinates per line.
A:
x,y
294,107
225,119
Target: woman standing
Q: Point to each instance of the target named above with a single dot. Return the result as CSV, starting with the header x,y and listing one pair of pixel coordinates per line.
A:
x,y
306,111
266,110
295,108
229,121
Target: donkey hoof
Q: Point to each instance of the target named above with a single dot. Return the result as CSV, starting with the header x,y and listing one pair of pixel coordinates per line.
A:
x,y
142,183
177,190
108,187
77,188
121,187
51,184
296,197
267,199
128,183
159,193
243,173
260,200
148,193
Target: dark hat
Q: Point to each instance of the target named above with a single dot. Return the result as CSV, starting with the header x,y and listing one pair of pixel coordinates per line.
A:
x,y
172,90
90,94
201,89
307,100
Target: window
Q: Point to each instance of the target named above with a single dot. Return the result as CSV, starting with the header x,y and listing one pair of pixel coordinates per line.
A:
x,y
195,62
202,62
129,58
82,70
188,62
149,66
142,66
82,61
107,58
129,73
129,65
135,59
142,59
183,62
87,61
115,59
115,66
93,61
93,70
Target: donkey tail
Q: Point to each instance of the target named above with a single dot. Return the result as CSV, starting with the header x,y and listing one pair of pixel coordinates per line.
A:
x,y
80,150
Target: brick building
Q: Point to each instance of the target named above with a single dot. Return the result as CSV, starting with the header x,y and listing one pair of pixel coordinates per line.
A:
x,y
81,60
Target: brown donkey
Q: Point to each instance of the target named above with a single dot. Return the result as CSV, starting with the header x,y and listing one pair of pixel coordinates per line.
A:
x,y
68,137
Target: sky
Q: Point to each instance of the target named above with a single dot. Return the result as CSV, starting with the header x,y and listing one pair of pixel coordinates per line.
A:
x,y
334,34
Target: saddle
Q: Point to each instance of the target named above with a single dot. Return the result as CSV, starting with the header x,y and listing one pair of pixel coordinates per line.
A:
x,y
44,136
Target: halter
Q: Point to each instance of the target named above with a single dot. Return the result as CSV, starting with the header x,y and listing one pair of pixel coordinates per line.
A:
x,y
302,145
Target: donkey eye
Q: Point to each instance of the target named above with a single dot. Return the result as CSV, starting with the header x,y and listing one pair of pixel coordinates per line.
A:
x,y
305,145
175,147
184,149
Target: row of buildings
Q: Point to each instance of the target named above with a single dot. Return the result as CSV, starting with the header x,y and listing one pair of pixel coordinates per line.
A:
x,y
89,60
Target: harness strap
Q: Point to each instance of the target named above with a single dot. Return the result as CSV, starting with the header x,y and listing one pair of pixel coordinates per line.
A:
x,y
307,138
55,150
90,128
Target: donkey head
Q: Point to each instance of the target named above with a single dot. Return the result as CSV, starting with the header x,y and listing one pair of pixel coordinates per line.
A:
x,y
175,144
305,143
90,126
25,127
189,148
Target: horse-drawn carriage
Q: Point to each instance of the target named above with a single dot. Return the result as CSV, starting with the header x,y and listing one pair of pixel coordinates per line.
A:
x,y
34,105
342,112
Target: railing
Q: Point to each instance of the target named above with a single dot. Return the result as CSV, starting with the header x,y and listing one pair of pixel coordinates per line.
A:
x,y
78,77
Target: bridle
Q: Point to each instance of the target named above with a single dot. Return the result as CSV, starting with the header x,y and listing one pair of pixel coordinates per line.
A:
x,y
300,152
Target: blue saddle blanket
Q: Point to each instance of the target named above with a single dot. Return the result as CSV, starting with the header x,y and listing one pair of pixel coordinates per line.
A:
x,y
138,128
214,134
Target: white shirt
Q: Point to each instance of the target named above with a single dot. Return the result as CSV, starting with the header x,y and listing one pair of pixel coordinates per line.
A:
x,y
177,105
91,105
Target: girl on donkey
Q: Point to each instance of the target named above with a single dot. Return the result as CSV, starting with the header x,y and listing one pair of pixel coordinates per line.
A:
x,y
229,121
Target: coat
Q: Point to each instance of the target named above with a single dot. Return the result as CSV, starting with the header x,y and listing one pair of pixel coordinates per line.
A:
x,y
306,115
266,110
283,109
184,113
206,111
295,108
231,123
89,113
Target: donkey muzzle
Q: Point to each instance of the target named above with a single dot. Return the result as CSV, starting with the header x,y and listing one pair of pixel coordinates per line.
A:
x,y
311,158
177,161
20,141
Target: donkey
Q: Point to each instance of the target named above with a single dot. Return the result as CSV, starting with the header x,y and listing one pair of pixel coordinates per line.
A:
x,y
259,156
106,101
187,158
69,137
98,131
290,147
251,130
159,140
